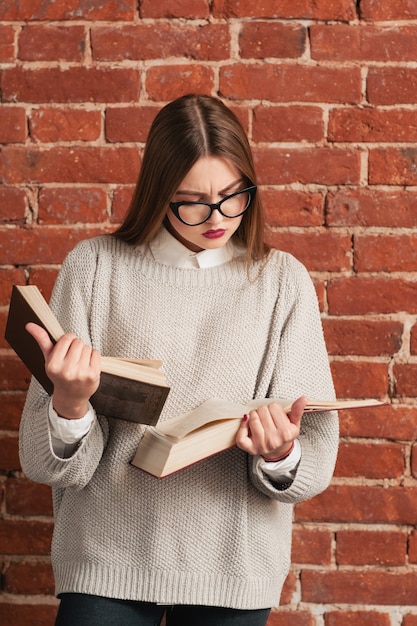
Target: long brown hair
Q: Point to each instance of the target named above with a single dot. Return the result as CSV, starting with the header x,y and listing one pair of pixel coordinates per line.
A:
x,y
184,130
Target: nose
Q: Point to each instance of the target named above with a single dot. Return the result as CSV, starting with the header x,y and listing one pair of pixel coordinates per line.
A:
x,y
216,217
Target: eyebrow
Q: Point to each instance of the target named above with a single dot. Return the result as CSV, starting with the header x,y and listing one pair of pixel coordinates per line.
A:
x,y
188,192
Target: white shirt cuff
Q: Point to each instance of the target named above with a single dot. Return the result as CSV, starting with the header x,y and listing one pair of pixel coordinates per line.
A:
x,y
70,431
281,471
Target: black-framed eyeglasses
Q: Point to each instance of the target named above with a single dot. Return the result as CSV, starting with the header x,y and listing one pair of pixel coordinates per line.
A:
x,y
195,213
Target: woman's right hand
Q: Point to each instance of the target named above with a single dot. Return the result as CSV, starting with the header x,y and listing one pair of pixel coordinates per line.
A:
x,y
74,369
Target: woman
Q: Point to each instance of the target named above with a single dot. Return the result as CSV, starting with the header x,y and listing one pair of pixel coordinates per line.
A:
x,y
187,279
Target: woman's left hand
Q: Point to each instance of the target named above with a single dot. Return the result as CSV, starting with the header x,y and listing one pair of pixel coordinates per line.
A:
x,y
269,432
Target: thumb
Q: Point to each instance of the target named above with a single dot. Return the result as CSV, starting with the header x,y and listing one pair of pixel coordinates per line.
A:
x,y
297,410
41,337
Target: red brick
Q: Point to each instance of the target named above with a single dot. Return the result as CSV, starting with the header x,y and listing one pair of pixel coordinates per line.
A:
x,y
69,165
75,84
9,453
318,251
29,578
371,125
28,614
385,422
385,253
378,548
286,83
7,36
370,207
52,125
413,339
43,245
163,83
370,460
190,9
366,295
290,618
312,546
347,42
44,278
287,123
405,379
289,207
409,620
12,406
7,278
360,379
13,205
125,124
72,205
39,42
362,337
309,9
412,547
24,497
12,124
414,460
356,618
67,10
148,41
324,166
375,10
393,166
121,201
25,537
260,40
364,504
359,587
392,85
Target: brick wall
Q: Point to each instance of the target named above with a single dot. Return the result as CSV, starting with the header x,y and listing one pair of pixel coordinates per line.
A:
x,y
327,90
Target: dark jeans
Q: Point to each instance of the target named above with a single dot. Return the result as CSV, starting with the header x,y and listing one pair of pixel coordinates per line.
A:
x,y
78,609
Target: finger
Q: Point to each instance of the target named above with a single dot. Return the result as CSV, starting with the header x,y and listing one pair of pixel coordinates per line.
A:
x,y
243,436
41,337
297,410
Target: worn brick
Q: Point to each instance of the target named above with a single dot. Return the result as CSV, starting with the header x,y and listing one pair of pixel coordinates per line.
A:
x,y
356,618
384,422
309,9
40,42
372,207
385,253
60,205
375,10
393,166
360,379
29,578
392,85
318,251
362,337
24,497
148,41
12,124
405,379
311,545
67,10
25,537
287,123
367,547
286,83
366,504
363,295
55,125
258,40
171,81
191,9
336,42
75,84
7,38
124,124
277,166
289,207
370,460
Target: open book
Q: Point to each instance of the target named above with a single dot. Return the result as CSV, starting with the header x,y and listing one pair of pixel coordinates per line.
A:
x,y
133,390
209,429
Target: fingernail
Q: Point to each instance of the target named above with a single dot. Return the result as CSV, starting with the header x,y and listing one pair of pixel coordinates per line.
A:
x,y
245,418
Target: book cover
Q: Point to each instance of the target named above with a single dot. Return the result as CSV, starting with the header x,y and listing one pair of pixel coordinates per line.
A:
x,y
131,390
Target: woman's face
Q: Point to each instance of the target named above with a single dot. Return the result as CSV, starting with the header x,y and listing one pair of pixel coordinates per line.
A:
x,y
209,180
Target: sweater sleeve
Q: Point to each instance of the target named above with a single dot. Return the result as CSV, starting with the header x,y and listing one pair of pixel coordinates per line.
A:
x,y
69,302
301,367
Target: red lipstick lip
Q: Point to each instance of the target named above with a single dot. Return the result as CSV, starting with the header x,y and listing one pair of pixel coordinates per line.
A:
x,y
214,234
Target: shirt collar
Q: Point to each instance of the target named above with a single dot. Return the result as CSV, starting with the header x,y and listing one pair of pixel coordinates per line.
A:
x,y
167,250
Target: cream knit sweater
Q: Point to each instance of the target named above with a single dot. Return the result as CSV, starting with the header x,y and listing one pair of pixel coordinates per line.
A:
x,y
219,532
